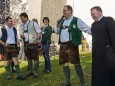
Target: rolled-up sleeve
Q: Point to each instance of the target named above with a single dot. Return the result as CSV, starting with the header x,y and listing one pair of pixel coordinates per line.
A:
x,y
37,28
18,36
20,30
83,27
0,33
56,30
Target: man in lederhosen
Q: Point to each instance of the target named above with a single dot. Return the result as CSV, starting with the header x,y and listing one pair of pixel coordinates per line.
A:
x,y
69,30
9,42
30,33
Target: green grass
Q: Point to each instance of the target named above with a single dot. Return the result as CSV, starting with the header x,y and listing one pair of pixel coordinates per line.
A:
x,y
52,79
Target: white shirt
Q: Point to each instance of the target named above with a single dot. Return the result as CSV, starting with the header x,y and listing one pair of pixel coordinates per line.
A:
x,y
64,36
36,26
10,35
44,29
43,32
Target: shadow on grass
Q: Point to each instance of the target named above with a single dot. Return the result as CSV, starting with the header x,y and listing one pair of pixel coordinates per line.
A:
x,y
50,79
1,66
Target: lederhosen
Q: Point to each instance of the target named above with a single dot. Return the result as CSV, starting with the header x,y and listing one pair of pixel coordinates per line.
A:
x,y
31,50
68,52
12,50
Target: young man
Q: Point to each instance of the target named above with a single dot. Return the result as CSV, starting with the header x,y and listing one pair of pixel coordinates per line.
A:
x,y
9,40
103,52
69,30
30,33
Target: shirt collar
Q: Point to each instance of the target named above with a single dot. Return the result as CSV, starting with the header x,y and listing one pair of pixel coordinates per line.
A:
x,y
45,25
26,22
9,27
100,18
69,18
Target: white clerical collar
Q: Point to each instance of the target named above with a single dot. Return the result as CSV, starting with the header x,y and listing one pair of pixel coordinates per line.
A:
x,y
100,18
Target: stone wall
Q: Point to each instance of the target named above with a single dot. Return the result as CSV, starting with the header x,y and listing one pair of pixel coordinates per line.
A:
x,y
34,9
54,10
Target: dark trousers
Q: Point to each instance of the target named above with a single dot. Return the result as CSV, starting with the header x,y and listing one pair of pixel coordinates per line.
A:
x,y
46,57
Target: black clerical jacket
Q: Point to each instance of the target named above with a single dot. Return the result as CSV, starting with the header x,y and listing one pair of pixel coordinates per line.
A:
x,y
103,52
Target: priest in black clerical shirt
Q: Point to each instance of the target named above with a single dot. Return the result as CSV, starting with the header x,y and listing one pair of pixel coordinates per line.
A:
x,y
103,51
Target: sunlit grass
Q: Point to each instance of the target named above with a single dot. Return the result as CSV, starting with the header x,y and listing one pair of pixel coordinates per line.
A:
x,y
52,79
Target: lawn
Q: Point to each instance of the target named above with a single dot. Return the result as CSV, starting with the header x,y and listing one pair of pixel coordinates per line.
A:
x,y
52,79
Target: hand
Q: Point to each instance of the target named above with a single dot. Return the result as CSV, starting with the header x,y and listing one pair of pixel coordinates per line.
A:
x,y
35,41
22,36
18,44
58,22
39,43
6,45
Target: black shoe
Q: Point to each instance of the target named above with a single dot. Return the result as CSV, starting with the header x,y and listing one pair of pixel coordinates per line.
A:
x,y
29,74
66,84
21,77
35,75
9,77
